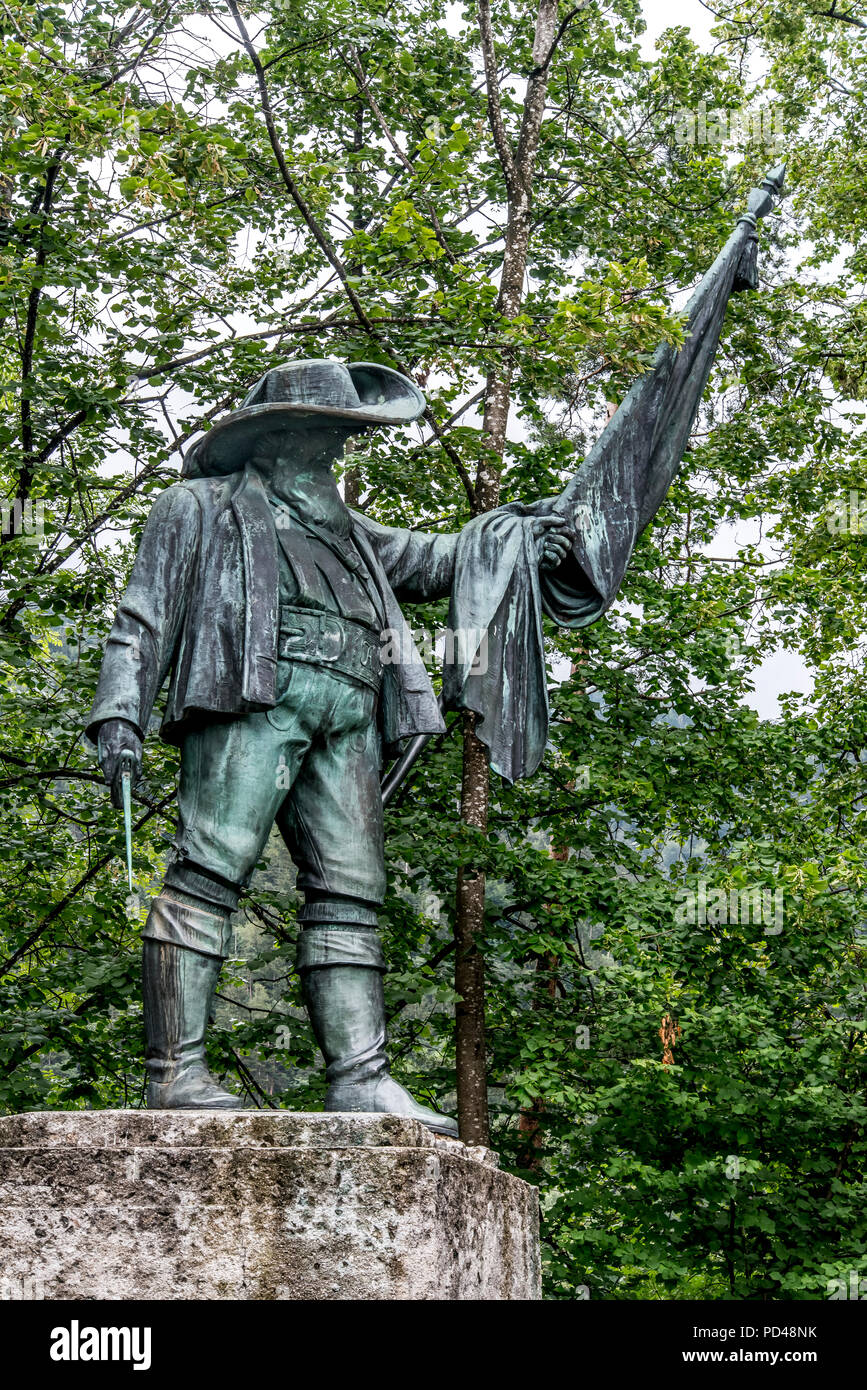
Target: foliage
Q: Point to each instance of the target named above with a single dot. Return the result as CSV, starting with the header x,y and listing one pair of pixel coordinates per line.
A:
x,y
165,235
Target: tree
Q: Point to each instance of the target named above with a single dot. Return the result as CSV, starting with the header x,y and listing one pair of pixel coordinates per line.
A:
x,y
501,207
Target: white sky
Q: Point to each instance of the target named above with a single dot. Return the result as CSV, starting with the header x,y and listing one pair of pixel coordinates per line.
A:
x,y
662,14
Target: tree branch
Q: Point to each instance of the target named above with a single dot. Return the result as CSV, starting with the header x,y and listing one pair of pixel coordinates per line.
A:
x,y
541,68
834,13
502,145
320,236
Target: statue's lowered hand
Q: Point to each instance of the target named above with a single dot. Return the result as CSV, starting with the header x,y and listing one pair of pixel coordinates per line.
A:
x,y
552,541
116,737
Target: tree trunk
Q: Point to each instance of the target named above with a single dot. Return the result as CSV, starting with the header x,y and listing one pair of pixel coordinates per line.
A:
x,y
517,165
469,963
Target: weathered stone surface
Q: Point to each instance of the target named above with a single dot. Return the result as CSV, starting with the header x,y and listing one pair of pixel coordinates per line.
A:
x,y
257,1205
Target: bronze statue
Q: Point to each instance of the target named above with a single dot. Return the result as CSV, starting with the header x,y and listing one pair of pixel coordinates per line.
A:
x,y
266,602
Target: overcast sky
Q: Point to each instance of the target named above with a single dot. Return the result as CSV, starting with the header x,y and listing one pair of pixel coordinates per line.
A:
x,y
661,14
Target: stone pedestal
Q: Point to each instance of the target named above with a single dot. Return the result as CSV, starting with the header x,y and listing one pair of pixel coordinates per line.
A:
x,y
257,1205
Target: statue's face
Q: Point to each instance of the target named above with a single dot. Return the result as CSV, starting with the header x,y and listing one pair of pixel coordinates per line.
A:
x,y
298,450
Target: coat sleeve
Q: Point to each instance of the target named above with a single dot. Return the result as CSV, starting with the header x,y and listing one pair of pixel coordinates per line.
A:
x,y
419,565
143,639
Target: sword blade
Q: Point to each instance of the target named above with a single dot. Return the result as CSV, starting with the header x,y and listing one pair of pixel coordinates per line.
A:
x,y
126,784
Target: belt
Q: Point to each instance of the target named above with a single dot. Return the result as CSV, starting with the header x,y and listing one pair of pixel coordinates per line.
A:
x,y
326,639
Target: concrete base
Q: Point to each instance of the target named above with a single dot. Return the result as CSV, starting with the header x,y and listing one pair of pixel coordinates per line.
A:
x,y
257,1205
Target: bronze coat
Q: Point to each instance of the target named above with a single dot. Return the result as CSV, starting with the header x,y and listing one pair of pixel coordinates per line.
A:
x,y
202,604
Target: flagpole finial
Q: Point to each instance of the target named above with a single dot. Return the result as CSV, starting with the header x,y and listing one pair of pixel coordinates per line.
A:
x,y
761,199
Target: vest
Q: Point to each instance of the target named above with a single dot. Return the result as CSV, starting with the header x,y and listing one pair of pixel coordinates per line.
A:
x,y
323,572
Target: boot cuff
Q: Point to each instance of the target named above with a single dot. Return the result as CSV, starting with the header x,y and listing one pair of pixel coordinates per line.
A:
x,y
186,876
327,946
180,924
331,911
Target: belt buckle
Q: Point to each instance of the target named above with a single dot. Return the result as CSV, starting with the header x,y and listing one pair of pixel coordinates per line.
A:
x,y
332,639
292,641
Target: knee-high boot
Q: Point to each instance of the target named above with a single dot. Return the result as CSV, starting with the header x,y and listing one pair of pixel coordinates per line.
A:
x,y
179,984
341,973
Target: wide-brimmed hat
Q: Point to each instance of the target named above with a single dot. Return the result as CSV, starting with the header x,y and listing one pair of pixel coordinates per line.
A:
x,y
358,395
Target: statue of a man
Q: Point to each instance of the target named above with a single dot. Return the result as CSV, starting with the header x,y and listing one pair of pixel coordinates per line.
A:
x,y
265,600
